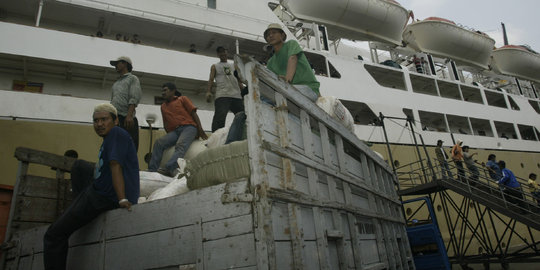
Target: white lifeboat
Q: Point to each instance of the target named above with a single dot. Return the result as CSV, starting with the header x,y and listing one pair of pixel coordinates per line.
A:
x,y
443,38
375,20
517,61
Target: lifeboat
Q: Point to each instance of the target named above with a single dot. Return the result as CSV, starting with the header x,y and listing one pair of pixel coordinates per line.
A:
x,y
517,61
443,38
375,20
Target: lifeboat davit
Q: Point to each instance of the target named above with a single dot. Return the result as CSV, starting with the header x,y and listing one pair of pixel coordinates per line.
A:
x,y
443,38
517,61
375,20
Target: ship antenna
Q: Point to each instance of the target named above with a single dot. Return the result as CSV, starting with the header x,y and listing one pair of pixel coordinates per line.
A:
x,y
505,37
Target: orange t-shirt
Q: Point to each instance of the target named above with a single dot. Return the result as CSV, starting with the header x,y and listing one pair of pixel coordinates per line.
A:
x,y
177,113
457,153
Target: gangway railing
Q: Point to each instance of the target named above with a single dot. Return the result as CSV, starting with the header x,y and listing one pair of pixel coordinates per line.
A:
x,y
414,180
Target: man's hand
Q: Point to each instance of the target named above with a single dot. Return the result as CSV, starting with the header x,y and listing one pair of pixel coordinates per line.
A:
x,y
124,203
128,122
208,97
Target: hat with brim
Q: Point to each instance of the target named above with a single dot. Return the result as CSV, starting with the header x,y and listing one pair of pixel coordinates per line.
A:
x,y
276,26
121,58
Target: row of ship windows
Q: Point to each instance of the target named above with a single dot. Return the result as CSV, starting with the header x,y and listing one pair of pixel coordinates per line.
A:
x,y
438,122
430,86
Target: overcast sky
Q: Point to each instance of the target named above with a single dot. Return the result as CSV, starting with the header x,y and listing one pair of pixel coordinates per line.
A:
x,y
521,17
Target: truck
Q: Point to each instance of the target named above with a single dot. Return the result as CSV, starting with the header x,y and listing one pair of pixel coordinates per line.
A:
x,y
308,194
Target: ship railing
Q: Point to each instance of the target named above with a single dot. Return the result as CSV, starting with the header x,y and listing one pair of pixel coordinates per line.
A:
x,y
475,184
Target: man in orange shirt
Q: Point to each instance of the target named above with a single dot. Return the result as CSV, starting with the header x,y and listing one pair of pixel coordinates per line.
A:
x,y
457,157
182,124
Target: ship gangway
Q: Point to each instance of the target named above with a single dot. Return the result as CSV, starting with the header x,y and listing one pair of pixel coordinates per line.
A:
x,y
482,225
479,223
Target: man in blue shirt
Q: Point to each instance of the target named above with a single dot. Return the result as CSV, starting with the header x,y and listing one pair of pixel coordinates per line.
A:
x,y
114,184
493,168
512,190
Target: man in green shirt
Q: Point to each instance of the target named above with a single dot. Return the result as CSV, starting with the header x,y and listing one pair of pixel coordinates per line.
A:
x,y
290,63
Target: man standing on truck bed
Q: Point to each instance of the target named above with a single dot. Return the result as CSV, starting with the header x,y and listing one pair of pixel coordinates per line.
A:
x,y
126,94
228,88
115,183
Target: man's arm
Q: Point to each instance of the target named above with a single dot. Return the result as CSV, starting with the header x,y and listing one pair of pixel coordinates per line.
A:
x,y
200,131
118,184
210,83
135,94
291,68
129,122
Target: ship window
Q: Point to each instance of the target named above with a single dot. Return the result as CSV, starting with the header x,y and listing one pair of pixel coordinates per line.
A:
x,y
423,85
333,71
432,121
528,132
481,127
471,94
361,113
495,99
318,63
535,105
449,90
409,114
513,104
387,76
211,4
458,124
527,89
505,130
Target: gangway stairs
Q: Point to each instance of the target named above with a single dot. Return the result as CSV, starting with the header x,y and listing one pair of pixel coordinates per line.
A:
x,y
485,215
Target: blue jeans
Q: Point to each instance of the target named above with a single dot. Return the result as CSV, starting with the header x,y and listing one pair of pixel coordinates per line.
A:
x,y
86,206
236,131
222,106
181,138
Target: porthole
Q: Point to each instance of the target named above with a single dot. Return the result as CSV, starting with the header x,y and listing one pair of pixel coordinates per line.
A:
x,y
538,165
439,208
522,165
408,211
396,163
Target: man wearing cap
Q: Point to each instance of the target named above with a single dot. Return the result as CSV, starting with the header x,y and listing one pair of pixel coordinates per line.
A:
x,y
113,183
290,63
228,88
442,157
126,94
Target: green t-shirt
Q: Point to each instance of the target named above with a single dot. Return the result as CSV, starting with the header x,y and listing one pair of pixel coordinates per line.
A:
x,y
303,75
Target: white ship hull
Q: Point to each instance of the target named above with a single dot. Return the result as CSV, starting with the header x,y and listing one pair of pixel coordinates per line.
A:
x,y
73,69
444,39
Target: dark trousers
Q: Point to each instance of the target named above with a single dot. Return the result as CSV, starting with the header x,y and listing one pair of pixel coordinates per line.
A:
x,y
84,208
222,106
133,131
514,196
460,170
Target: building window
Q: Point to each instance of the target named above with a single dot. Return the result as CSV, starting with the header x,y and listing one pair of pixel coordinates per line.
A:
x,y
212,4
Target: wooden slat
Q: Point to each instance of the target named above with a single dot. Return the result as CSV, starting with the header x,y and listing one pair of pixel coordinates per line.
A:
x,y
37,186
39,157
297,241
